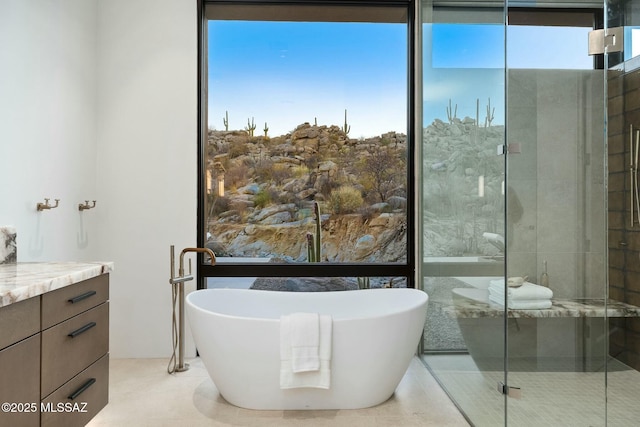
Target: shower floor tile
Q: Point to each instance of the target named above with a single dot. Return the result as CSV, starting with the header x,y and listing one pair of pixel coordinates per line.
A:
x,y
548,398
142,393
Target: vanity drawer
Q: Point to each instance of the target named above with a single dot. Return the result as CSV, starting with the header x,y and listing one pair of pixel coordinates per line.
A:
x,y
72,345
24,318
66,302
20,382
80,399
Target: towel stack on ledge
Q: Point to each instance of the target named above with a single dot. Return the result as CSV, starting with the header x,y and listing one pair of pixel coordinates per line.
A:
x,y
526,297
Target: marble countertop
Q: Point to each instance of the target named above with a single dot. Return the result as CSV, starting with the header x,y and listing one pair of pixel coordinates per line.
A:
x,y
24,280
560,308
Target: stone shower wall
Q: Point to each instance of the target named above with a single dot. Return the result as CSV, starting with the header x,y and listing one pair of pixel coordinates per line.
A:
x,y
624,238
556,117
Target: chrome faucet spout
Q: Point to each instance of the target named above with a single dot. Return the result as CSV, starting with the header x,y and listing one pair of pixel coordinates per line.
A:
x,y
200,250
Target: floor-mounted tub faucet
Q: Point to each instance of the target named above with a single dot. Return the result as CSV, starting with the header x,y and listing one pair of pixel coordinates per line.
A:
x,y
177,283
200,250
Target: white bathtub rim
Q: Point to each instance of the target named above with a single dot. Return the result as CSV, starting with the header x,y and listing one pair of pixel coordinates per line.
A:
x,y
405,308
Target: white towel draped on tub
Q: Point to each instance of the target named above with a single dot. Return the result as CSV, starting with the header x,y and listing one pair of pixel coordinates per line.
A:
x,y
304,336
305,350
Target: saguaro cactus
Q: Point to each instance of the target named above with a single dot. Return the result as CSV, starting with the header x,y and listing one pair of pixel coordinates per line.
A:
x,y
251,126
451,116
490,113
266,129
225,120
364,283
346,128
314,240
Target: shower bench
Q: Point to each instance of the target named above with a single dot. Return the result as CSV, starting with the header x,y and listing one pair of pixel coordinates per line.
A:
x,y
559,308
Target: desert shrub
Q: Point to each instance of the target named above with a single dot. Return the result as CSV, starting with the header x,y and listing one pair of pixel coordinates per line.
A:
x,y
324,185
262,199
312,161
264,170
382,172
300,171
217,204
280,173
237,175
285,197
238,148
346,199
241,208
367,213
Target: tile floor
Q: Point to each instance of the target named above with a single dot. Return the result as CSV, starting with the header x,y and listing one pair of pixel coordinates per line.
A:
x,y
580,399
143,394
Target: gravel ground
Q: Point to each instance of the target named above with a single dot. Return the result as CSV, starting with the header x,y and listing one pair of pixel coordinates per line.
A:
x,y
441,332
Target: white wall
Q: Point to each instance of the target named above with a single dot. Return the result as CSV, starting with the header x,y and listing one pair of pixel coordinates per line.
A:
x,y
98,101
47,126
147,145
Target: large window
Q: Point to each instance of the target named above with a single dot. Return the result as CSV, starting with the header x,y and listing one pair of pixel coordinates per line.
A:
x,y
306,147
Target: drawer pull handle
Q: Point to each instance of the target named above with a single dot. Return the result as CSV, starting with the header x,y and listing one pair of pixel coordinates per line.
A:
x,y
81,330
81,297
81,390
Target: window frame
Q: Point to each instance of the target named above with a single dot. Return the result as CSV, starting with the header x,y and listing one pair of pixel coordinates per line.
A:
x,y
324,269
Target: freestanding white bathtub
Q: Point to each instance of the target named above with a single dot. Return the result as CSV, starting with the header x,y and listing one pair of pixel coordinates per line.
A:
x,y
375,335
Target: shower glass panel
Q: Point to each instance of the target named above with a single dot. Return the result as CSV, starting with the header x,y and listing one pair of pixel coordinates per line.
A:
x,y
556,223
560,207
623,133
463,194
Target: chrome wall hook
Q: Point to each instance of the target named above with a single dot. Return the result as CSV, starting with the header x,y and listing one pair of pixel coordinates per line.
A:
x,y
46,205
86,205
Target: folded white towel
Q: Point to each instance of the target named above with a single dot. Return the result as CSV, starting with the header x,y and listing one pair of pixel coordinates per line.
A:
x,y
537,304
304,329
528,291
318,378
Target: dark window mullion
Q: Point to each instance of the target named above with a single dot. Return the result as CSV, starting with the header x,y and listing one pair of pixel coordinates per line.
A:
x,y
305,270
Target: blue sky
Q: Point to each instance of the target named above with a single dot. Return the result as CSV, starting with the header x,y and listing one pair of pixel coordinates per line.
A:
x,y
466,62
288,73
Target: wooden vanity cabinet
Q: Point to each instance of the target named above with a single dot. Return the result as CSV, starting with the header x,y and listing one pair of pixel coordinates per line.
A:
x,y
74,383
54,356
20,363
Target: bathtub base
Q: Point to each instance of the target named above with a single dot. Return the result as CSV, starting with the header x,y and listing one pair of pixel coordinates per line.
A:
x,y
302,400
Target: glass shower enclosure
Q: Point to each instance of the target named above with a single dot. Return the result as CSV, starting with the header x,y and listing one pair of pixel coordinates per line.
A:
x,y
529,174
